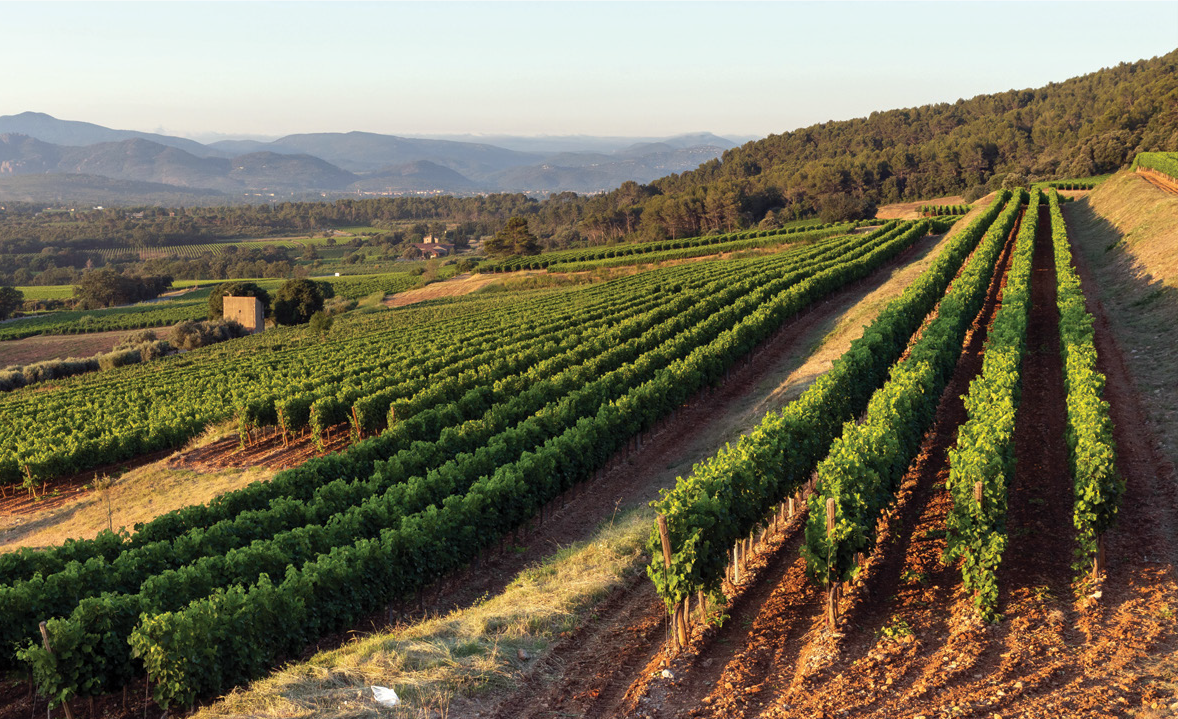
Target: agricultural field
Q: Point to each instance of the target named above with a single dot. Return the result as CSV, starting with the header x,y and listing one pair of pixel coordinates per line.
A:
x,y
157,313
947,513
566,395
47,292
633,253
191,303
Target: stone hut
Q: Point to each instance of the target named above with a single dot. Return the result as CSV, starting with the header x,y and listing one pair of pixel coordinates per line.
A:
x,y
246,311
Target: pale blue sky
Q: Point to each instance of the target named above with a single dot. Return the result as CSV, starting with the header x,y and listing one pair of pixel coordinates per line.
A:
x,y
555,68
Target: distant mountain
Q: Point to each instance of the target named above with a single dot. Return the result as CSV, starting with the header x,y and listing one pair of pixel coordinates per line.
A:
x,y
367,151
21,154
233,148
649,148
552,178
269,170
146,161
70,132
338,163
421,175
556,144
95,190
597,172
141,160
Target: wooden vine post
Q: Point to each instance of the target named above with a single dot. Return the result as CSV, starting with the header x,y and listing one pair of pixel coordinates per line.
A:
x,y
832,590
678,621
45,640
977,493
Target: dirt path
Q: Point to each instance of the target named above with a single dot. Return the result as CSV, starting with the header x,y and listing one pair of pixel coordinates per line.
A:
x,y
1159,180
1039,553
816,359
267,448
1141,588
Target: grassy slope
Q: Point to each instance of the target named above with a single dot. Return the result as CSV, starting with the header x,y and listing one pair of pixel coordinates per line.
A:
x,y
432,663
1127,230
139,495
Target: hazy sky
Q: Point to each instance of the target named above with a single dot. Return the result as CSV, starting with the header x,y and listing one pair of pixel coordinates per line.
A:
x,y
553,68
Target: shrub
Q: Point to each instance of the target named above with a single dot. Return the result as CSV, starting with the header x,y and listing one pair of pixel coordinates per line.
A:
x,y
321,323
137,338
119,358
191,334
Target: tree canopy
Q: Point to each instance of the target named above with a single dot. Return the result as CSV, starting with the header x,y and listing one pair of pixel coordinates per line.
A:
x,y
297,300
514,239
10,299
107,288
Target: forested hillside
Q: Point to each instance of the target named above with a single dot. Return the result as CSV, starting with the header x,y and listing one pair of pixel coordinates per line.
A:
x,y
1084,126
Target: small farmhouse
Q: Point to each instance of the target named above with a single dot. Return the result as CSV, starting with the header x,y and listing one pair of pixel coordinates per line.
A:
x,y
433,249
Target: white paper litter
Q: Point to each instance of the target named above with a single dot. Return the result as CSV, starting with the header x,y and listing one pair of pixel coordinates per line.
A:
x,y
385,696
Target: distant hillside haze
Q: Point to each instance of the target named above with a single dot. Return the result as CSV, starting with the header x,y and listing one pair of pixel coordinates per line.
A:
x,y
360,151
338,163
551,144
78,134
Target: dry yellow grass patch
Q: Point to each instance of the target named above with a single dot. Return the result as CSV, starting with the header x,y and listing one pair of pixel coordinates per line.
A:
x,y
1127,230
136,496
1144,219
454,287
440,666
911,210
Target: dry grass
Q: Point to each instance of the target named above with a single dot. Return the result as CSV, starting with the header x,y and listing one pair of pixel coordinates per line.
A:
x,y
135,496
440,666
454,287
1146,220
1127,229
911,210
